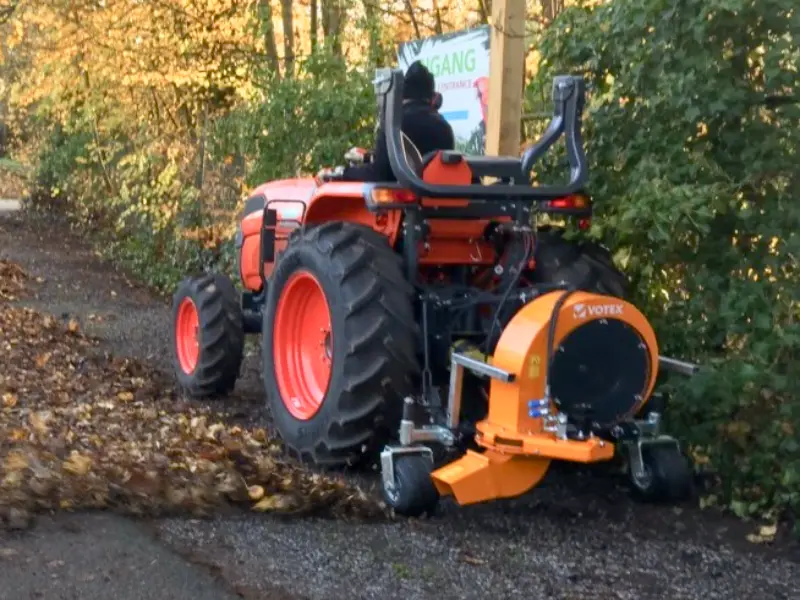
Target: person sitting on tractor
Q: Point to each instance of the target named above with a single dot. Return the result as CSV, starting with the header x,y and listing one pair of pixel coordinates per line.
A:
x,y
422,123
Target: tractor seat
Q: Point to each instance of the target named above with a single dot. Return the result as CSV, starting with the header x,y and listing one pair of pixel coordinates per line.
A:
x,y
413,155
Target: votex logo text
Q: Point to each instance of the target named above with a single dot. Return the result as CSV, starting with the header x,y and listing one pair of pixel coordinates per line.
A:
x,y
582,311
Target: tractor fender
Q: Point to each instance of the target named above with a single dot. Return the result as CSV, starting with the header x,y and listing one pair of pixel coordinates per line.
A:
x,y
345,201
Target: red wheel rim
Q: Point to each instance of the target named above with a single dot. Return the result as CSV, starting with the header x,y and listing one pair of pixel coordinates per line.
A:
x,y
303,345
187,335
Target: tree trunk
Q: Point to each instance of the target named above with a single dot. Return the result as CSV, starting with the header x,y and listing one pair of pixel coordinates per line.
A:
x,y
438,14
485,9
332,25
410,8
200,176
376,54
551,9
314,24
3,136
6,12
268,31
288,36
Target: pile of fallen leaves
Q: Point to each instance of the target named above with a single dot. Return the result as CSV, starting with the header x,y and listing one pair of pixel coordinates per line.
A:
x,y
80,429
12,280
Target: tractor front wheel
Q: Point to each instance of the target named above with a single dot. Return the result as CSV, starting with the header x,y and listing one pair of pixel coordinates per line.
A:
x,y
207,335
339,342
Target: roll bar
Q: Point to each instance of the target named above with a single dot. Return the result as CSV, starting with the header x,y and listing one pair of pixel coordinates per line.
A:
x,y
568,97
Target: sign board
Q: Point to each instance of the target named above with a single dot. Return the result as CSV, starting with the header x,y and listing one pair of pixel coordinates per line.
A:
x,y
460,65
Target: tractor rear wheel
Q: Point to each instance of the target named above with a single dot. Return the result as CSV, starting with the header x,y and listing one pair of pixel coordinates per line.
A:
x,y
207,335
339,344
586,265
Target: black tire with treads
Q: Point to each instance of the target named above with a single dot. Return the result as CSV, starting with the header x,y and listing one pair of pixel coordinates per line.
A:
x,y
374,334
219,310
586,265
414,493
670,477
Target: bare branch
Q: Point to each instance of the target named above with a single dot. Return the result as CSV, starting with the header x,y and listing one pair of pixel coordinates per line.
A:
x,y
7,10
413,18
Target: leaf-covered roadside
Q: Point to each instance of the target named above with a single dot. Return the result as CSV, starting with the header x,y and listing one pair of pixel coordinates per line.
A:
x,y
12,280
81,429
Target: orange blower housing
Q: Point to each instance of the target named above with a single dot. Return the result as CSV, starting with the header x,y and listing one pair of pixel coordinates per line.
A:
x,y
604,363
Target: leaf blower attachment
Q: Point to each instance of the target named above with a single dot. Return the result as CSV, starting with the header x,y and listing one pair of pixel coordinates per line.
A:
x,y
578,364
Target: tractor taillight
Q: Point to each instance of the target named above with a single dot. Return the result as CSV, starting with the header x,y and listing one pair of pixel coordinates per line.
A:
x,y
392,195
575,202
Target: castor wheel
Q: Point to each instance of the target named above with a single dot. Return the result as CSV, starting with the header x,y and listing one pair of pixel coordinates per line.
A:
x,y
411,492
666,474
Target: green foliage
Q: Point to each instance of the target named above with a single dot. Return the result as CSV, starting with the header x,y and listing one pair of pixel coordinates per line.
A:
x,y
133,189
695,174
60,157
10,166
129,193
303,123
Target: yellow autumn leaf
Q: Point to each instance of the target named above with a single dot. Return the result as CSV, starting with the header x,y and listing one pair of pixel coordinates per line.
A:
x,y
9,400
73,326
125,396
17,435
765,534
768,531
16,462
77,464
270,503
255,492
43,359
38,422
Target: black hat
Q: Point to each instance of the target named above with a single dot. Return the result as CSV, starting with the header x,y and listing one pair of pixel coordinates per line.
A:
x,y
419,83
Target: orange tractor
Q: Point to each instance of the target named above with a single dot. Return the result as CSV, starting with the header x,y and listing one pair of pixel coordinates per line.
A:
x,y
430,325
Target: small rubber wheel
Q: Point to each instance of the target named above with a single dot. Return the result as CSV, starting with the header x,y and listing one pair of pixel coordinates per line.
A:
x,y
414,493
667,477
207,335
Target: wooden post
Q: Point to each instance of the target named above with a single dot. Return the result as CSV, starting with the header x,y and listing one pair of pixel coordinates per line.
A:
x,y
506,78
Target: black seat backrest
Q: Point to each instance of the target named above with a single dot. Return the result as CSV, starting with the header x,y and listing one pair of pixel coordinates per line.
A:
x,y
412,154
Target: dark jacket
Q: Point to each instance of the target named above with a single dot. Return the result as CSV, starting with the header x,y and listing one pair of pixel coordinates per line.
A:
x,y
423,124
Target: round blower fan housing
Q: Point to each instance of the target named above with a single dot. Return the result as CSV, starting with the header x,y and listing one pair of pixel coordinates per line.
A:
x,y
600,371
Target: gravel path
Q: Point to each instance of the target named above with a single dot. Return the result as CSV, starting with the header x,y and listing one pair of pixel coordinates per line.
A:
x,y
99,557
7,206
576,535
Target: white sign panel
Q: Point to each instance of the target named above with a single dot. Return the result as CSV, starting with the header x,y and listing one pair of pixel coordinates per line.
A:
x,y
460,64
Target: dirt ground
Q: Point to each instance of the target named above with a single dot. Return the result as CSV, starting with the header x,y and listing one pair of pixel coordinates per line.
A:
x,y
579,534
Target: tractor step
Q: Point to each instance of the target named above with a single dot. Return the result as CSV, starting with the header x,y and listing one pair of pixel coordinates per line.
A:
x,y
252,305
251,322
